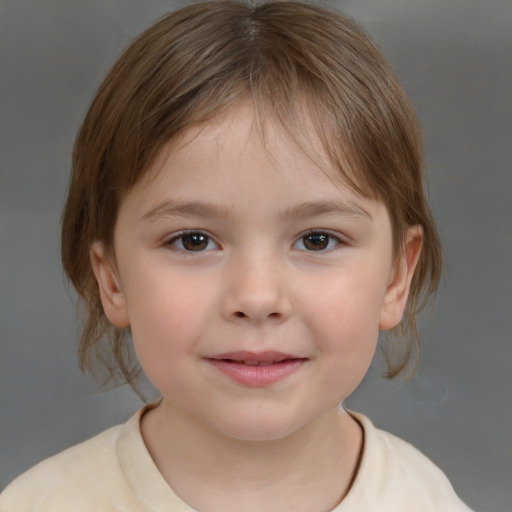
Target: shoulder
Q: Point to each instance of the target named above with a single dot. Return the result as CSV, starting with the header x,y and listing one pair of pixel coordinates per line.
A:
x,y
397,476
82,474
111,472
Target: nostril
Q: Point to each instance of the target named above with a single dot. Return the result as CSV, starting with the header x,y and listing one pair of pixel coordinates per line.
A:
x,y
241,314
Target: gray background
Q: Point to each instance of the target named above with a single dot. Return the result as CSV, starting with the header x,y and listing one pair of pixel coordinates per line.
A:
x,y
454,59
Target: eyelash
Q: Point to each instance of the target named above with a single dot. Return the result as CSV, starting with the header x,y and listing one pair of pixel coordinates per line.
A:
x,y
323,236
182,236
319,233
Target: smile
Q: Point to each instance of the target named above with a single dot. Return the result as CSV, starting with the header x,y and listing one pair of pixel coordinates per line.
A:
x,y
257,369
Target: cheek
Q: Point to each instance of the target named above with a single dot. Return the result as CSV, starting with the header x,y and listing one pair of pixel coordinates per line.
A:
x,y
166,318
345,321
163,300
349,306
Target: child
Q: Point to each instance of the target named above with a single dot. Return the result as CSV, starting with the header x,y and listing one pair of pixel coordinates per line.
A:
x,y
247,204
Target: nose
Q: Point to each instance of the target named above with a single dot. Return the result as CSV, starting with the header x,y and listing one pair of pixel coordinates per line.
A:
x,y
256,292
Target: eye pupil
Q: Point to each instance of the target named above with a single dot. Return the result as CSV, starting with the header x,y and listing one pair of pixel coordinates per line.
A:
x,y
316,241
195,242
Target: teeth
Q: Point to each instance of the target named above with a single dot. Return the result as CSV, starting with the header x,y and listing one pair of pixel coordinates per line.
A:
x,y
255,363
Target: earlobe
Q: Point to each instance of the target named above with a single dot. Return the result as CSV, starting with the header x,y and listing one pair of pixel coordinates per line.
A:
x,y
111,294
397,293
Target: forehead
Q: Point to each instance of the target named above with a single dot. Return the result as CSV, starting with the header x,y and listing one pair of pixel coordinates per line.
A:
x,y
242,159
245,128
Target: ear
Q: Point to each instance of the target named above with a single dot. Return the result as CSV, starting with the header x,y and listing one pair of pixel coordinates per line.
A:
x,y
111,295
395,300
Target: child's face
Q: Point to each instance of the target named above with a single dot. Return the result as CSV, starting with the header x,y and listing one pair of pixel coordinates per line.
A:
x,y
253,285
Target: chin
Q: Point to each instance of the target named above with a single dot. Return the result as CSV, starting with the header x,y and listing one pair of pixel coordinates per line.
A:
x,y
258,428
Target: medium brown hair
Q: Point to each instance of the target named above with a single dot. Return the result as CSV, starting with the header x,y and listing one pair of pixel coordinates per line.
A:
x,y
302,64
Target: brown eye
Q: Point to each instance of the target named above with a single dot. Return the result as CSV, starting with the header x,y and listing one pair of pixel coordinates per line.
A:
x,y
317,241
193,242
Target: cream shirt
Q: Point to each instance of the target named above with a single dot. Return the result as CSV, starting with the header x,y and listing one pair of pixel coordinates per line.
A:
x,y
115,472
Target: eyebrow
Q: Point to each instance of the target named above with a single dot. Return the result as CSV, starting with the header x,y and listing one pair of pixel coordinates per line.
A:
x,y
327,208
186,209
172,208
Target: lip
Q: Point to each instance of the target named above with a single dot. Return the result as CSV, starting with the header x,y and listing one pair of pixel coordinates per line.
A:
x,y
257,369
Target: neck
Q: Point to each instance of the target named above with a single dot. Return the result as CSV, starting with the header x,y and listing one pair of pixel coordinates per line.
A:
x,y
310,469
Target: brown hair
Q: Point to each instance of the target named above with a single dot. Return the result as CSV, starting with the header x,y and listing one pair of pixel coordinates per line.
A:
x,y
300,62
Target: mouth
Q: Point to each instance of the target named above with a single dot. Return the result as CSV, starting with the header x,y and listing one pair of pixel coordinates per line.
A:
x,y
257,369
